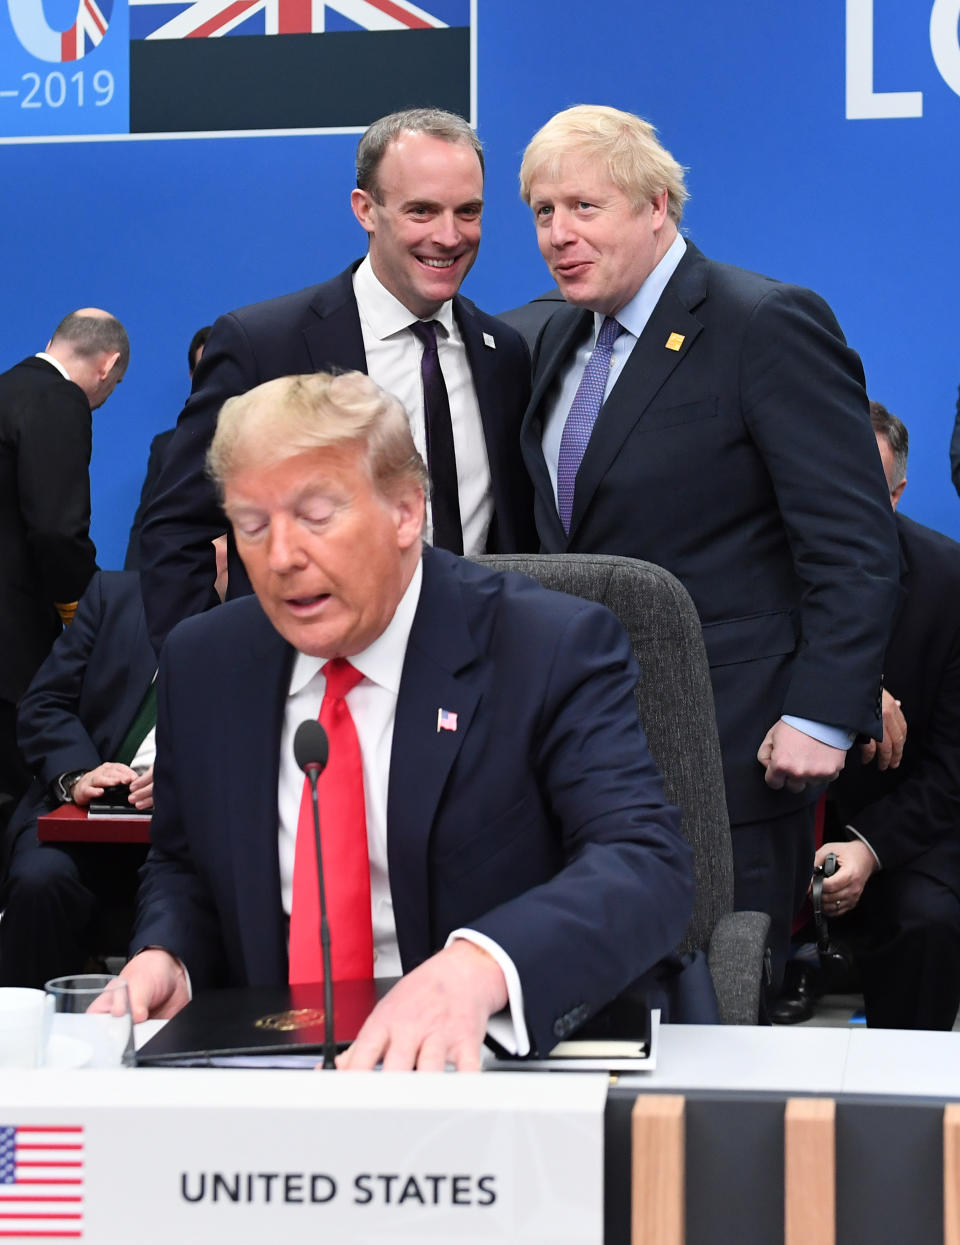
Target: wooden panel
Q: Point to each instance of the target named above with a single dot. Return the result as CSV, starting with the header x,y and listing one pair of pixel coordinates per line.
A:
x,y
951,1174
658,1170
810,1172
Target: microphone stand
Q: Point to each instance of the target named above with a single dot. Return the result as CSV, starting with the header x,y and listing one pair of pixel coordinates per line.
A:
x,y
329,1043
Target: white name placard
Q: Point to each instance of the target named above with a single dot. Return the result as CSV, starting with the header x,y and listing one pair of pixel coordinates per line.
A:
x,y
182,1155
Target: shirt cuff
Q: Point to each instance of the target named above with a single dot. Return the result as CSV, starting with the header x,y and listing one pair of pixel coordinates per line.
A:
x,y
854,831
508,1027
832,736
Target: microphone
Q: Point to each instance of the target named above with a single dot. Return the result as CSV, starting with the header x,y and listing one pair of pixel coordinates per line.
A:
x,y
311,750
311,747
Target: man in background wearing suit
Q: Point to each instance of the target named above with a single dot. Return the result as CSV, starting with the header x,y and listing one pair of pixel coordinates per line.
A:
x,y
715,422
494,826
86,722
46,555
158,451
897,888
76,733
462,376
529,318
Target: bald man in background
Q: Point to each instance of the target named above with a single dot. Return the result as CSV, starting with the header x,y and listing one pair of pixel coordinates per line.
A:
x,y
46,555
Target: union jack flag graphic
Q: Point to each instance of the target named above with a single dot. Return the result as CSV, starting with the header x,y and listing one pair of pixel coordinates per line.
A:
x,y
41,1182
85,33
339,63
205,19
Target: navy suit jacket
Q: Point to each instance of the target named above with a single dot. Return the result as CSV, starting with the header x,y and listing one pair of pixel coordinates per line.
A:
x,y
158,449
84,697
46,554
529,318
910,815
316,329
744,462
540,821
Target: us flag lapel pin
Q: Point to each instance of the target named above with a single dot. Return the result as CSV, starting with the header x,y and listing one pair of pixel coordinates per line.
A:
x,y
446,720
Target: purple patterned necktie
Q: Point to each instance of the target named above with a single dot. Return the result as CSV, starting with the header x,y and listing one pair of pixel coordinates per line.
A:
x,y
441,457
583,415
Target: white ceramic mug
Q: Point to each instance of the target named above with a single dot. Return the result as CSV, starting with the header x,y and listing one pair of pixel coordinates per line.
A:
x,y
25,1019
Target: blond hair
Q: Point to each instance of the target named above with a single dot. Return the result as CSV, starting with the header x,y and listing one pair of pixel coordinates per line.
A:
x,y
625,145
293,414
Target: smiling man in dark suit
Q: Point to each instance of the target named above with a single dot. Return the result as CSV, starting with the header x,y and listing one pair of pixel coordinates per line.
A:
x,y
419,197
715,422
494,826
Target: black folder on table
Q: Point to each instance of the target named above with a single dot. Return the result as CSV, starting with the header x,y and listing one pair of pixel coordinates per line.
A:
x,y
222,1027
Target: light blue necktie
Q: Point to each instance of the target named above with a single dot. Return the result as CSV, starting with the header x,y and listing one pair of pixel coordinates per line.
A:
x,y
583,415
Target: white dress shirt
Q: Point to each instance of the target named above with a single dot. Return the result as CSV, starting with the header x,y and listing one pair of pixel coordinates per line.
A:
x,y
373,704
42,354
393,360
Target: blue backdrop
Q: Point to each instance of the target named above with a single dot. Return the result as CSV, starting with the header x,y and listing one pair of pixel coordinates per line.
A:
x,y
777,111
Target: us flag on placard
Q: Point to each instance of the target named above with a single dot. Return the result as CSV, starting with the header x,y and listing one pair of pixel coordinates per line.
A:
x,y
41,1182
300,64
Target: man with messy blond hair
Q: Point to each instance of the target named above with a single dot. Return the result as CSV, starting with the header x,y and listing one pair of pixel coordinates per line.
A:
x,y
713,421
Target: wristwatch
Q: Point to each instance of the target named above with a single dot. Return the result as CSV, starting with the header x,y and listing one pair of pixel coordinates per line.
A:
x,y
63,785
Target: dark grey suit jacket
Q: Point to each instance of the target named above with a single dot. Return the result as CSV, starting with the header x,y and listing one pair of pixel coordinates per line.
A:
x,y
744,462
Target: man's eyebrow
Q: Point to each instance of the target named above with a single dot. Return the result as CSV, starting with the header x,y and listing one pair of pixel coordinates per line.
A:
x,y
433,204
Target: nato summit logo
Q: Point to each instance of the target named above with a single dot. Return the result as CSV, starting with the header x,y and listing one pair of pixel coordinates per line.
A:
x,y
46,42
146,68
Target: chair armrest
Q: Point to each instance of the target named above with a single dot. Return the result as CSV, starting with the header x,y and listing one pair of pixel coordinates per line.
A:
x,y
735,957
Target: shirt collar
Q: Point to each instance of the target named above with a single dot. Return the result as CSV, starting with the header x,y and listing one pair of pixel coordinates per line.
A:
x,y
382,661
48,358
383,312
634,316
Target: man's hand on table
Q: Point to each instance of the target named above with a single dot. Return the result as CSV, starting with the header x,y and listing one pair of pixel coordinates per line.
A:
x,y
91,786
433,1016
157,985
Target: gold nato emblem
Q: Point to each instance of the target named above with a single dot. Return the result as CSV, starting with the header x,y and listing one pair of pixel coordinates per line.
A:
x,y
675,341
298,1018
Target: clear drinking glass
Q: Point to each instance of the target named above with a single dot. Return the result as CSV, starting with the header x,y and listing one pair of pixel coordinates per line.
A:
x,y
92,1022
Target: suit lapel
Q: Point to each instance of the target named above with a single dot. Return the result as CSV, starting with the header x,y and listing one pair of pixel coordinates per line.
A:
x,y
435,676
480,357
650,364
251,733
562,336
335,339
141,666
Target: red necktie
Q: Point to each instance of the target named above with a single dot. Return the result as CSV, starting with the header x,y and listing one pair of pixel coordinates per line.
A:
x,y
346,861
